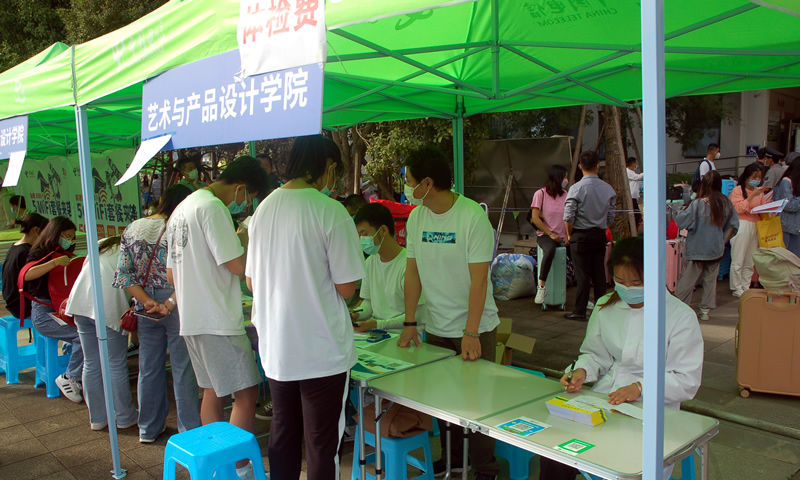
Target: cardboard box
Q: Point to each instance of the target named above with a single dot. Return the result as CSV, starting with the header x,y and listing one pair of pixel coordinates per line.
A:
x,y
524,246
507,342
588,415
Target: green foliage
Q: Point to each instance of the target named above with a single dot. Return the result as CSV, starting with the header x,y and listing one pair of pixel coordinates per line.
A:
x,y
88,19
28,27
536,123
687,118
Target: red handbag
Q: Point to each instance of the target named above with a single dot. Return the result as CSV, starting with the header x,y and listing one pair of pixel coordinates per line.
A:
x,y
129,320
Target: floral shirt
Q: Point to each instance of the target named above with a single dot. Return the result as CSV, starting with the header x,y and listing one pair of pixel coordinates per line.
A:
x,y
136,251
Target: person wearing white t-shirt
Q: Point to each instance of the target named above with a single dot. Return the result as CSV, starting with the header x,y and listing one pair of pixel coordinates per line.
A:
x,y
206,259
450,246
382,290
634,180
303,262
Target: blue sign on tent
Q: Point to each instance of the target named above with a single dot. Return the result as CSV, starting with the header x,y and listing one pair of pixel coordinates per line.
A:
x,y
13,136
201,103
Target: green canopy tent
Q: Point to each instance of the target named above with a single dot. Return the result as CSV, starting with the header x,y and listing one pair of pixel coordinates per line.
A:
x,y
491,55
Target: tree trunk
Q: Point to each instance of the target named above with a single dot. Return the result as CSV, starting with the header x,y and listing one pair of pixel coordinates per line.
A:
x,y
342,139
616,176
576,156
353,147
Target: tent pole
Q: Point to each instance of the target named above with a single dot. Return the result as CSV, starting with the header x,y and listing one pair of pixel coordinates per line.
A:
x,y
654,139
458,147
251,149
84,154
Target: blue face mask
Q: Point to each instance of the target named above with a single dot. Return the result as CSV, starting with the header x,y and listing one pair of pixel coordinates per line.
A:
x,y
754,183
236,208
629,295
325,190
64,243
368,245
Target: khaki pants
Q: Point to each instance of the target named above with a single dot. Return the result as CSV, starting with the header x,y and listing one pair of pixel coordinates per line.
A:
x,y
481,447
707,271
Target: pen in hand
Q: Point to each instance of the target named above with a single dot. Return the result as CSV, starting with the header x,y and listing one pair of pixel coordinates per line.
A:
x,y
569,376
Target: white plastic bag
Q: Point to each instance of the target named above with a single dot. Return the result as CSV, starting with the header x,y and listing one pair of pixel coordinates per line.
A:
x,y
513,276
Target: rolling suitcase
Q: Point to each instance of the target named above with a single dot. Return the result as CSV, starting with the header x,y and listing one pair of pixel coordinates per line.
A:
x,y
675,263
767,341
556,280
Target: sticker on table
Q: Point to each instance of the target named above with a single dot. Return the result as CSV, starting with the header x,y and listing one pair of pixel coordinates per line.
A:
x,y
523,426
574,447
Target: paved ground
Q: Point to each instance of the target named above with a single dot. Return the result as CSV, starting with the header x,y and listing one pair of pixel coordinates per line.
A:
x,y
43,438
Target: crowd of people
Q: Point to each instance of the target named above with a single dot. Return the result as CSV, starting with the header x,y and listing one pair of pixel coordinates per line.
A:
x,y
302,255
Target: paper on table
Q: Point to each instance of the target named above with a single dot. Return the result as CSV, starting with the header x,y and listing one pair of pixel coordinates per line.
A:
x,y
624,408
772,207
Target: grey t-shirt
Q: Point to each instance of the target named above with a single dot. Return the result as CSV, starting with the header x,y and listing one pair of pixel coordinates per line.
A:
x,y
774,175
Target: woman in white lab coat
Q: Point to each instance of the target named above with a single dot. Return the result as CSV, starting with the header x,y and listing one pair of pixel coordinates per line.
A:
x,y
612,354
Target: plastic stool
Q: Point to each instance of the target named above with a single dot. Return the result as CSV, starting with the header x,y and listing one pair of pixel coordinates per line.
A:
x,y
396,456
211,452
14,358
49,365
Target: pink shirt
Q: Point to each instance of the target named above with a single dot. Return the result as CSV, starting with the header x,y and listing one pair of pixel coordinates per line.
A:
x,y
743,206
552,211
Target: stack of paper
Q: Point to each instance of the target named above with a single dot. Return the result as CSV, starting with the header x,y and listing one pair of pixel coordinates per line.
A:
x,y
581,413
623,408
772,207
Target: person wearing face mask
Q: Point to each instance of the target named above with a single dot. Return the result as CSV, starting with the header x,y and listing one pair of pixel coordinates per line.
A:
x,y
771,159
612,351
31,226
191,177
382,304
205,262
18,206
634,181
303,262
748,195
706,165
58,236
450,244
547,215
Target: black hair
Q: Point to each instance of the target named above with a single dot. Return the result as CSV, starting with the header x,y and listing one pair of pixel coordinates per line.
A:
x,y
429,162
793,174
109,242
747,173
18,200
628,252
376,215
630,161
554,179
762,153
185,160
171,198
48,239
712,146
589,160
31,221
247,170
355,201
711,188
309,157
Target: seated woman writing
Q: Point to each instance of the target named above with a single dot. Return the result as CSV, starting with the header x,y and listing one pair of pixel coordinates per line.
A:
x,y
612,354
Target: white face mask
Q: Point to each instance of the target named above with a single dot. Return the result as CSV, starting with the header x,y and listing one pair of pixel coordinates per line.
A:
x,y
564,183
716,157
193,175
409,192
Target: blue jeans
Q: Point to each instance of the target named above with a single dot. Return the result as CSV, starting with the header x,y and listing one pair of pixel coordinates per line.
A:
x,y
792,241
50,328
154,337
93,393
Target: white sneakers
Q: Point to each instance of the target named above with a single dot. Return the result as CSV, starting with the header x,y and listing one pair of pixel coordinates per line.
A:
x,y
70,388
541,292
704,314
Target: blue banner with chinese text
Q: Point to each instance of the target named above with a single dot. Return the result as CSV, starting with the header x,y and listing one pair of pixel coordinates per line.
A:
x,y
13,136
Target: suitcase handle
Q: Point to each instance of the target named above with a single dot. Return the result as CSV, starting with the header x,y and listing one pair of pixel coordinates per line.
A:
x,y
778,293
736,340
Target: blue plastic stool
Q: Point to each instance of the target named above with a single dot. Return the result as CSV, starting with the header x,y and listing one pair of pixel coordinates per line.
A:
x,y
211,452
49,365
396,456
687,470
518,459
14,358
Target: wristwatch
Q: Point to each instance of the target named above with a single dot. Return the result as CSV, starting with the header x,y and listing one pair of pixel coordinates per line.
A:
x,y
172,301
409,324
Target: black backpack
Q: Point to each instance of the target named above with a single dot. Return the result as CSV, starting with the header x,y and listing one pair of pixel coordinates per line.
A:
x,y
696,178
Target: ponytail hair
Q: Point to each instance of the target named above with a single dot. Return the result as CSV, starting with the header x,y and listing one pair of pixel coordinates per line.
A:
x,y
31,221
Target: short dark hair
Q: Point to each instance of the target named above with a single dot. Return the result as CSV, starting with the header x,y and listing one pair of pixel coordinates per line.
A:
x,y
762,152
429,162
246,170
712,146
308,157
18,200
376,215
355,201
630,161
184,160
589,160
171,198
